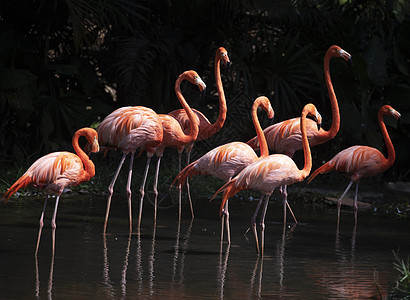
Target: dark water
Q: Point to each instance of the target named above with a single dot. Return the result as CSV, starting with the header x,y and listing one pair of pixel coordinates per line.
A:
x,y
308,261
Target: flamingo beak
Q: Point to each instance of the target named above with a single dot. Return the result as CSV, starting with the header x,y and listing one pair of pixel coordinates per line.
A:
x,y
203,92
95,147
271,113
226,65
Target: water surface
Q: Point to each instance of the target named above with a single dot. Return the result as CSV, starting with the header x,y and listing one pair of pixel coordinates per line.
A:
x,y
309,261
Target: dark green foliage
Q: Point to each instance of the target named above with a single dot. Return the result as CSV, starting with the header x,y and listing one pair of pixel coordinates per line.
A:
x,y
67,64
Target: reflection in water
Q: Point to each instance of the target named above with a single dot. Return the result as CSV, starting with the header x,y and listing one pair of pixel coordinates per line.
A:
x,y
338,248
286,236
139,264
176,254
223,264
37,289
316,261
281,252
180,253
50,278
346,278
253,279
109,284
106,271
125,267
151,261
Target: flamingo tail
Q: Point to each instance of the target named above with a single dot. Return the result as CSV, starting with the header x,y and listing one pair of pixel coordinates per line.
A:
x,y
186,172
321,170
22,182
229,189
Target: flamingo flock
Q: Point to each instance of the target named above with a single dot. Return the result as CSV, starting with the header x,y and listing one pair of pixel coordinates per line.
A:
x,y
137,128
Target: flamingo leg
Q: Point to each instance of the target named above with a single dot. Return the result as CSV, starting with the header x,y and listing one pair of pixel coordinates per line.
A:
x,y
155,189
53,223
339,201
41,225
284,192
355,203
253,222
144,179
129,193
225,221
262,222
179,190
187,185
111,190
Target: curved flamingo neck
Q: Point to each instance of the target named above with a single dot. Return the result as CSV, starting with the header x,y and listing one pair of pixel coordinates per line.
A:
x,y
391,154
263,145
89,168
306,149
193,121
331,133
215,127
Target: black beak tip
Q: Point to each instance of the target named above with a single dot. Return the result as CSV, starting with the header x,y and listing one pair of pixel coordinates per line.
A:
x,y
226,66
203,93
399,123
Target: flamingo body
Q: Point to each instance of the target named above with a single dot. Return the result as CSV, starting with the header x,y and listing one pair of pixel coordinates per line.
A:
x,y
356,162
285,137
227,160
361,161
203,123
56,171
52,173
131,127
174,135
206,128
268,173
264,175
127,129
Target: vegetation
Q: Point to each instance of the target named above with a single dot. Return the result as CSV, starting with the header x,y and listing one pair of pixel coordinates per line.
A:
x,y
67,64
402,288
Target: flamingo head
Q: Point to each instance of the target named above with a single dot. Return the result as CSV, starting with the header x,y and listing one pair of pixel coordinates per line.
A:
x,y
310,110
339,52
92,138
264,103
194,78
388,110
222,55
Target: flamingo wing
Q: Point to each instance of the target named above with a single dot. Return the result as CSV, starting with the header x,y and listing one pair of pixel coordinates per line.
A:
x,y
268,173
172,132
285,137
129,128
356,162
52,172
226,161
181,116
223,162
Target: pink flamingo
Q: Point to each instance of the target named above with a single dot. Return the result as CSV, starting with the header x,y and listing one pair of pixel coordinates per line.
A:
x,y
173,134
129,128
206,128
225,161
285,137
270,172
56,171
361,161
